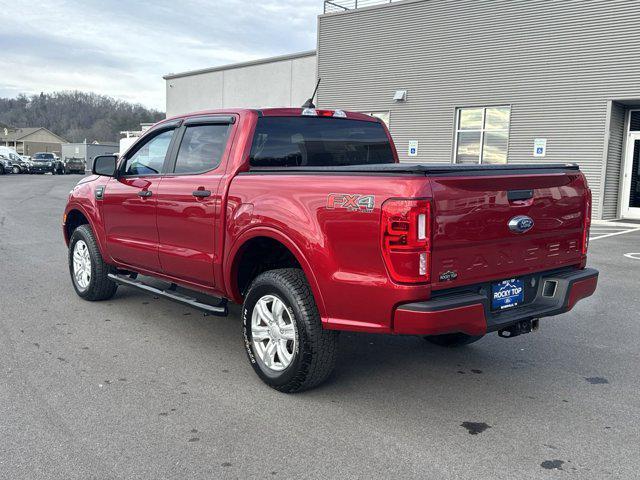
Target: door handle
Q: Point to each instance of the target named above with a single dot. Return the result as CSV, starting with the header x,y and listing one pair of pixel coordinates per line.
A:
x,y
145,193
201,193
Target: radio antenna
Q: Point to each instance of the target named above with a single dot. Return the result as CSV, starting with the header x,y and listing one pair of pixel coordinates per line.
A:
x,y
309,103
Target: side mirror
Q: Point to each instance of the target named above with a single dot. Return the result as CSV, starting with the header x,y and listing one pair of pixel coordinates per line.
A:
x,y
105,165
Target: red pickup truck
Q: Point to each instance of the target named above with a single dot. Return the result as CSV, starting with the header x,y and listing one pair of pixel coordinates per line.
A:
x,y
306,217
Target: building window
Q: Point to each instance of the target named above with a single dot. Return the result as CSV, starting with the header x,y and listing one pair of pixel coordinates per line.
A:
x,y
634,122
482,134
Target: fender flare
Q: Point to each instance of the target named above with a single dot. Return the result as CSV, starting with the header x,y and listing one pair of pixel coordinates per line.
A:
x,y
266,231
91,218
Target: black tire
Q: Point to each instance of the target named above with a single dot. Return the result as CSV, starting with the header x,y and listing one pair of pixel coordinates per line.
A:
x,y
100,287
452,340
315,352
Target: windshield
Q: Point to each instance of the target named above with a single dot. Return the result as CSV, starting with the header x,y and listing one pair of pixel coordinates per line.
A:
x,y
43,156
318,141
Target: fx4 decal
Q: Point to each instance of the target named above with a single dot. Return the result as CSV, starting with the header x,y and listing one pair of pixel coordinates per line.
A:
x,y
351,201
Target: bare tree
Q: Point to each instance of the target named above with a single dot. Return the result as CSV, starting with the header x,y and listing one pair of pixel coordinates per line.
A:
x,y
76,116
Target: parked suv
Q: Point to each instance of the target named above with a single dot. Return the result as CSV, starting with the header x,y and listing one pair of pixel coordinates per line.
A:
x,y
19,165
74,165
11,157
43,162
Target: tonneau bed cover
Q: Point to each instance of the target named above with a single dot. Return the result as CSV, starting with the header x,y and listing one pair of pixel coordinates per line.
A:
x,y
427,169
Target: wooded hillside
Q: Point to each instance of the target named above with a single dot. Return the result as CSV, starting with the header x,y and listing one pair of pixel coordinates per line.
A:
x,y
76,116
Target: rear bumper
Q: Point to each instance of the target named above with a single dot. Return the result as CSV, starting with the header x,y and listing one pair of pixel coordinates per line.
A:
x,y
471,313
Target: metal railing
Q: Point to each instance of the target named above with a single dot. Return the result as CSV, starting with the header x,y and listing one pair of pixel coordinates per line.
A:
x,y
333,6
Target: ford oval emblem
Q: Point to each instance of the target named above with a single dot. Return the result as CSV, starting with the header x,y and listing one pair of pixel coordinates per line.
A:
x,y
520,224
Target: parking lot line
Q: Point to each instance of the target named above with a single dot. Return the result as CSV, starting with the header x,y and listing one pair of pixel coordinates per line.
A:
x,y
605,235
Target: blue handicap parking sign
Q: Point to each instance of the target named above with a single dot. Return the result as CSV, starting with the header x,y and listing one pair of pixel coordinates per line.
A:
x,y
539,150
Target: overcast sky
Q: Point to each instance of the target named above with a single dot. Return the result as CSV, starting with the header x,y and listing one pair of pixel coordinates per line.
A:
x,y
123,48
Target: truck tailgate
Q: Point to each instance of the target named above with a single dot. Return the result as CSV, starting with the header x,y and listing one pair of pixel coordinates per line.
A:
x,y
472,240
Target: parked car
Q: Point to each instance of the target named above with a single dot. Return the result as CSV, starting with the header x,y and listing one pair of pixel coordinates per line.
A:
x,y
307,218
74,165
58,165
43,162
5,165
18,165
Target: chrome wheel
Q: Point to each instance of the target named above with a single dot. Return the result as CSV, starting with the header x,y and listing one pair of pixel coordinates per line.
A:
x,y
81,265
273,332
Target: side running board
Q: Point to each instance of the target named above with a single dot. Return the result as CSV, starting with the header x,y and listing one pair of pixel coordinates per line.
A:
x,y
220,310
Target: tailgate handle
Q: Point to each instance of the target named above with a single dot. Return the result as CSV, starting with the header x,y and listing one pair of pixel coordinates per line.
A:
x,y
514,195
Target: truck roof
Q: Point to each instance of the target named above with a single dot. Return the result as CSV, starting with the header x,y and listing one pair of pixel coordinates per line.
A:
x,y
268,112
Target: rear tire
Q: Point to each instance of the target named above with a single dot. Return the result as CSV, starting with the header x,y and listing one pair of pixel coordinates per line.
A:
x,y
87,268
283,334
452,340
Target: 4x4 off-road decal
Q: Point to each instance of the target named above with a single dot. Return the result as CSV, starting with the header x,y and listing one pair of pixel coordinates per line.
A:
x,y
351,201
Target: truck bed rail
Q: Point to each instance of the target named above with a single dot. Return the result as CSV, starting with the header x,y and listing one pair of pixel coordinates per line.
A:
x,y
424,169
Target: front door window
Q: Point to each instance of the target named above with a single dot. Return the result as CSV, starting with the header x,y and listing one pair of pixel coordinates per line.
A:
x,y
149,158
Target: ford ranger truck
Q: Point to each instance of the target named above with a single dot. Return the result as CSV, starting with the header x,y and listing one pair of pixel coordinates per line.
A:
x,y
307,219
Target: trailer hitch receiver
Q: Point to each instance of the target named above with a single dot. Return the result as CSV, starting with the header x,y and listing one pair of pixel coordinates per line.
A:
x,y
522,327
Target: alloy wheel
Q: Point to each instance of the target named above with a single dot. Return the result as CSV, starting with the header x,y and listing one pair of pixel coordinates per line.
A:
x,y
274,333
81,265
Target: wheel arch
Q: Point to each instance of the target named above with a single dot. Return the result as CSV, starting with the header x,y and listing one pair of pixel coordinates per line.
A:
x,y
241,247
75,216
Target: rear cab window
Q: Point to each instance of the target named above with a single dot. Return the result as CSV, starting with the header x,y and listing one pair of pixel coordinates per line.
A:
x,y
318,141
201,148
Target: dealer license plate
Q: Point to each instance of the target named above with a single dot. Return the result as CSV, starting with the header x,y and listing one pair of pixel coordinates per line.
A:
x,y
507,294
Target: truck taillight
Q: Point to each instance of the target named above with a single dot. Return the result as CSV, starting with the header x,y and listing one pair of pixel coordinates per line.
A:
x,y
406,239
314,112
586,226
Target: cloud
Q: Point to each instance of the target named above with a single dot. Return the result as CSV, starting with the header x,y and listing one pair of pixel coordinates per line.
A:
x,y
123,48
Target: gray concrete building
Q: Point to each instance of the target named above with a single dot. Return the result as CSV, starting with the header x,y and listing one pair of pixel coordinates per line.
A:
x,y
467,81
282,81
497,81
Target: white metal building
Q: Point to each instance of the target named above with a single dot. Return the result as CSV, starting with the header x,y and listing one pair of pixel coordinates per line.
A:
x,y
282,81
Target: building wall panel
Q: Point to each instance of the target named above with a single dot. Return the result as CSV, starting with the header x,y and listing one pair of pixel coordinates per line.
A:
x,y
263,84
556,62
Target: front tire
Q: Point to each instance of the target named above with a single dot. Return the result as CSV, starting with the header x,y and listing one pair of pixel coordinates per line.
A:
x,y
283,334
452,340
87,268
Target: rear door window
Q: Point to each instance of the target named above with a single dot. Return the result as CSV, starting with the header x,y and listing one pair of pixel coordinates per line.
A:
x,y
318,141
201,148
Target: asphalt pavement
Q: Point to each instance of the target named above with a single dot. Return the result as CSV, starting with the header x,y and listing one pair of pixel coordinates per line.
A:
x,y
138,387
